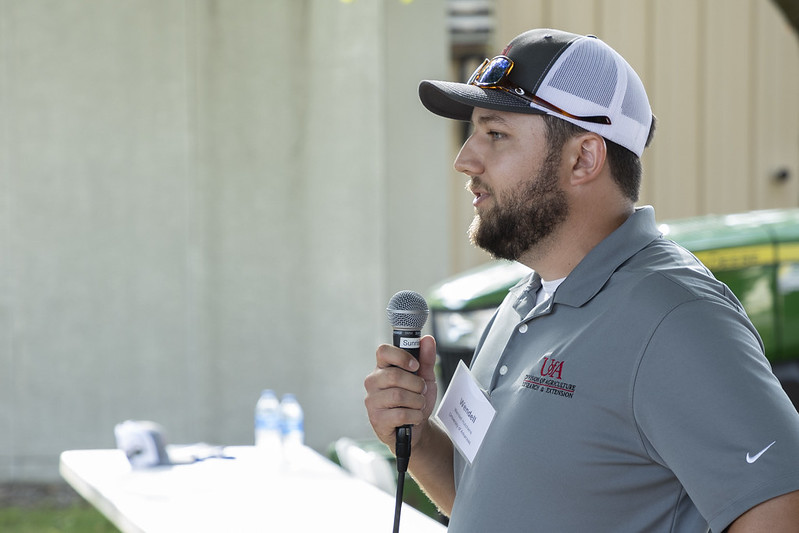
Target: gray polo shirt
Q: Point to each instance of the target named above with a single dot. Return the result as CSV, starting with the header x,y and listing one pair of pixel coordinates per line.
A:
x,y
636,399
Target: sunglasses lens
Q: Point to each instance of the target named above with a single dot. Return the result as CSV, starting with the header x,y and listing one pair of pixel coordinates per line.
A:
x,y
493,72
477,72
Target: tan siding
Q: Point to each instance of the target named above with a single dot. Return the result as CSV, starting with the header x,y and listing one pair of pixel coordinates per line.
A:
x,y
578,16
725,173
776,109
670,177
514,17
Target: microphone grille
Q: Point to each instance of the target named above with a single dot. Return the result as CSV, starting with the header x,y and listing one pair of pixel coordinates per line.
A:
x,y
407,310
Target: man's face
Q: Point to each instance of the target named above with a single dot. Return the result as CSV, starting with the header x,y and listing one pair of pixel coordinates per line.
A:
x,y
515,179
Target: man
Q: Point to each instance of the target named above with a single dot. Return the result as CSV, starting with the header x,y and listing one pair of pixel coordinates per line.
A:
x,y
631,391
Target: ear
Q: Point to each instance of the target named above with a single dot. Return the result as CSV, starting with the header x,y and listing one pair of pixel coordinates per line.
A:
x,y
588,159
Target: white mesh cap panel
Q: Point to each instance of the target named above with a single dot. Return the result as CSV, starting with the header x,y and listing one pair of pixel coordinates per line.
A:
x,y
587,72
590,78
633,105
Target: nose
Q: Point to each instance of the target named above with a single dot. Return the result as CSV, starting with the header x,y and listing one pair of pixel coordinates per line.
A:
x,y
467,161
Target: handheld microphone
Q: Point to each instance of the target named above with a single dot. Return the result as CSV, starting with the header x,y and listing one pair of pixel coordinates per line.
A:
x,y
407,312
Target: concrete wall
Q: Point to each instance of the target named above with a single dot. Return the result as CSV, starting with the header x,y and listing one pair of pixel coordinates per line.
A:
x,y
200,199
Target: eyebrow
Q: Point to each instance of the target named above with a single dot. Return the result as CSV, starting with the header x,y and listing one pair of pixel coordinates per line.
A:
x,y
491,118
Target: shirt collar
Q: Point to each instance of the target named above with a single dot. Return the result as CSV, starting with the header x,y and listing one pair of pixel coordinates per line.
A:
x,y
591,274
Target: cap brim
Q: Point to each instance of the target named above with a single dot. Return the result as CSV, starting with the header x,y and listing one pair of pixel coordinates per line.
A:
x,y
457,100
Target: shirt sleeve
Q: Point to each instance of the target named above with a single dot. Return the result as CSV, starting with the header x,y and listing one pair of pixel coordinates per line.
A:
x,y
709,408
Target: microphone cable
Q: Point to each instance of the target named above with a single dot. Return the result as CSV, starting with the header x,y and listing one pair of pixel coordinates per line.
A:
x,y
403,453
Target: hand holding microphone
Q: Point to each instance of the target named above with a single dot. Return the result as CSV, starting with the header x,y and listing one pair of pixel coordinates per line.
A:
x,y
407,312
401,390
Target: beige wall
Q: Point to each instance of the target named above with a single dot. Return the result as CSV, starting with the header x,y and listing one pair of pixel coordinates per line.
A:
x,y
723,80
200,199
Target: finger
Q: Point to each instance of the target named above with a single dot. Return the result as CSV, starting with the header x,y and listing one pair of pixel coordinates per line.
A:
x,y
388,409
388,355
394,377
396,398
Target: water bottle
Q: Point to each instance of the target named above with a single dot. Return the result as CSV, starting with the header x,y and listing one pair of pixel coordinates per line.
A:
x,y
268,435
293,424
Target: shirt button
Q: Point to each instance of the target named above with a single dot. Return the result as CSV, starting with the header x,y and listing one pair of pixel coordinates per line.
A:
x,y
523,328
503,370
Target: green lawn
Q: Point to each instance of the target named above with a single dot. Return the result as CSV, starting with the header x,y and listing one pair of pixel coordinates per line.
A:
x,y
77,518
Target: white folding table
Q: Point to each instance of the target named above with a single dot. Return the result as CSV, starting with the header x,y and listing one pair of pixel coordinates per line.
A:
x,y
241,493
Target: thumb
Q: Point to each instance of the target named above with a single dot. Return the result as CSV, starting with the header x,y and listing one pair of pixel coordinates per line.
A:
x,y
427,358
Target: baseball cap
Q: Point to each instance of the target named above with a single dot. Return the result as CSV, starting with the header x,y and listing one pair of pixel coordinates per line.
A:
x,y
576,78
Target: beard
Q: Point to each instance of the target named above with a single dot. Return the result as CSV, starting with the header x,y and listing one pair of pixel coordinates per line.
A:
x,y
523,217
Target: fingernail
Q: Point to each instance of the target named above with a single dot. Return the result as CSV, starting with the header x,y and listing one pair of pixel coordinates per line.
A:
x,y
414,365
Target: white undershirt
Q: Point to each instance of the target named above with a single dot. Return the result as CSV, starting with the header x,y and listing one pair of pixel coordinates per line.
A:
x,y
547,290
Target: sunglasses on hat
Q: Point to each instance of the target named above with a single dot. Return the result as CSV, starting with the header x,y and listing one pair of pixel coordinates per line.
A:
x,y
493,74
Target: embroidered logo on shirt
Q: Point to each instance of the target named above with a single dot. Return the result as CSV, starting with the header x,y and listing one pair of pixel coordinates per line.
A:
x,y
752,458
549,379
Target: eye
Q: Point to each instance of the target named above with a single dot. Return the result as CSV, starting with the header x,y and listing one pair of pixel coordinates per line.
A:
x,y
496,135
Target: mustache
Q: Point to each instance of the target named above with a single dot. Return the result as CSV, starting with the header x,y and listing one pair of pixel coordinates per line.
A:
x,y
475,183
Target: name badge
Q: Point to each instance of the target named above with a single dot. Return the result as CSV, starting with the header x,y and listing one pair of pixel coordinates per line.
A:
x,y
465,412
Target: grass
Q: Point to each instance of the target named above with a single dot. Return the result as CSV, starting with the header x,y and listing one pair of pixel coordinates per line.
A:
x,y
77,518
48,508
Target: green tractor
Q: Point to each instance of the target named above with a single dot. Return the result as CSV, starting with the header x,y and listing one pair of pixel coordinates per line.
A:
x,y
756,254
